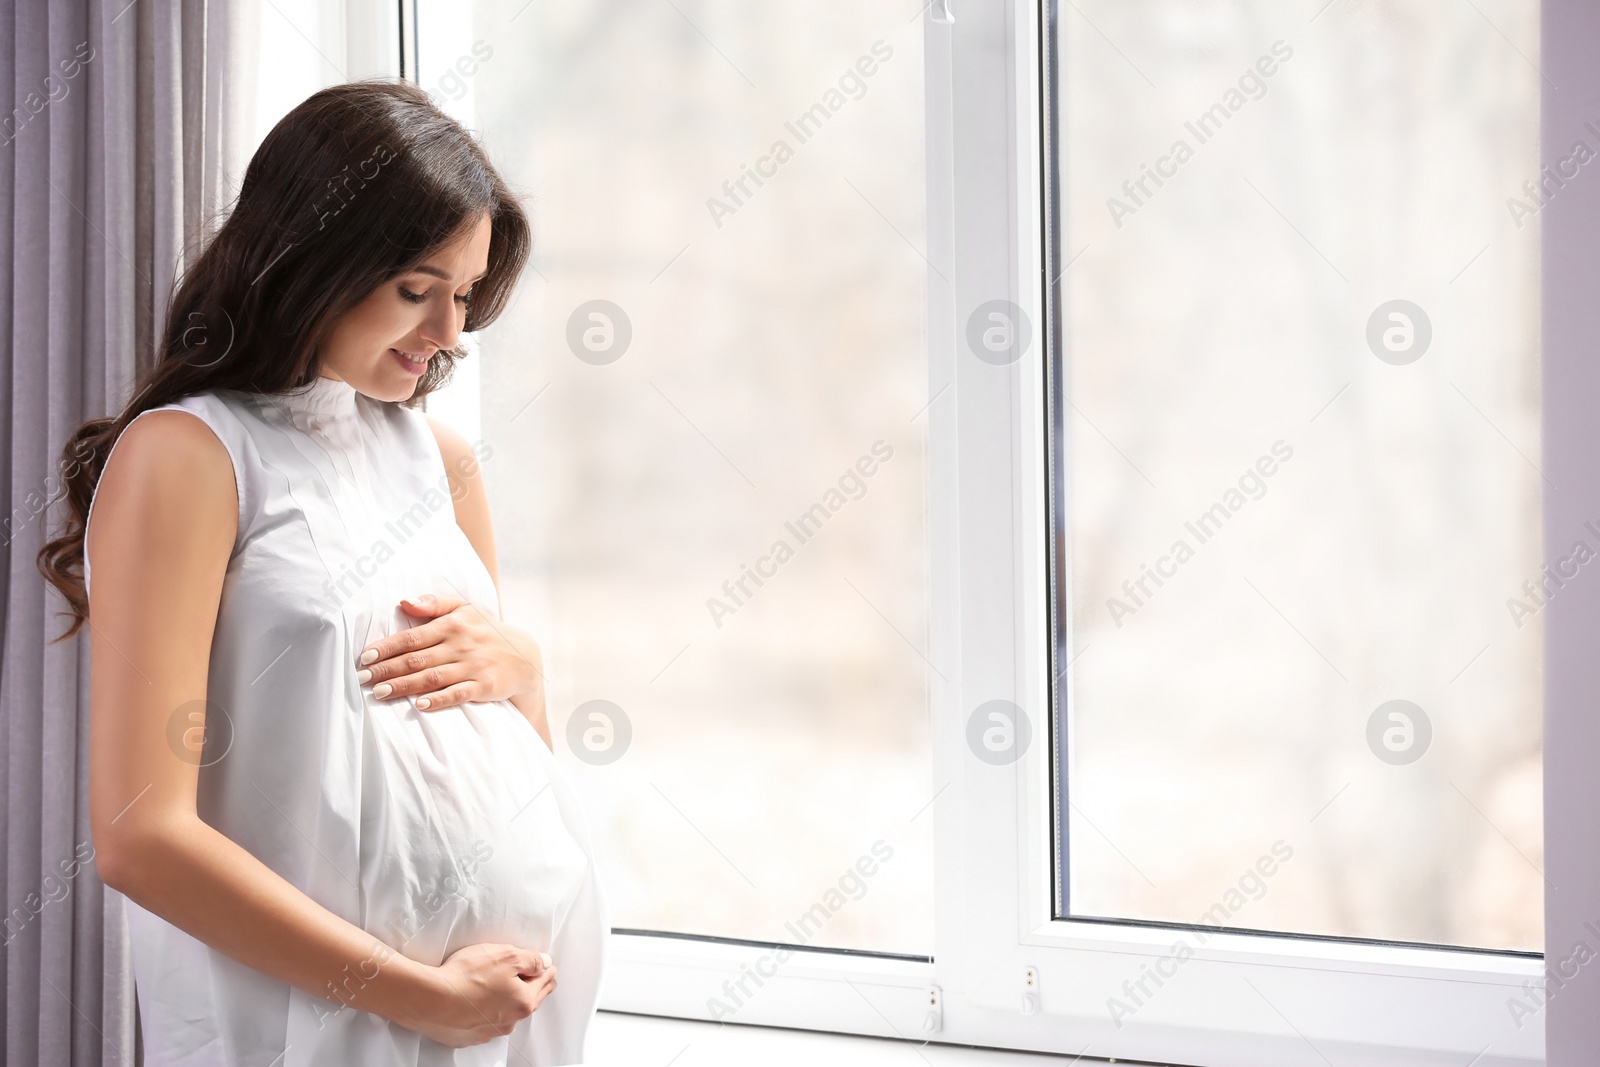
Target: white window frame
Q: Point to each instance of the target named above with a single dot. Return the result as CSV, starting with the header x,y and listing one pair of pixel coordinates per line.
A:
x,y
1316,1000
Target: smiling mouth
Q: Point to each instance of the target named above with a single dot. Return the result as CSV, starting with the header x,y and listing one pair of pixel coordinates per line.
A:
x,y
409,358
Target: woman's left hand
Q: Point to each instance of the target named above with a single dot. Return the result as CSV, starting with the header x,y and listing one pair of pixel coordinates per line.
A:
x,y
460,655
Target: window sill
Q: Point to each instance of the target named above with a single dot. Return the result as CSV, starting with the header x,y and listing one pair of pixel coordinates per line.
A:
x,y
617,1039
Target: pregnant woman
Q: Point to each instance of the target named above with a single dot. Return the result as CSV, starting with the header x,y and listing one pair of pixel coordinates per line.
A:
x,y
320,767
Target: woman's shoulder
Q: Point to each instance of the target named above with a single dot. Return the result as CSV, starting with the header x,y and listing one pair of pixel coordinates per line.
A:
x,y
211,432
220,410
166,476
204,434
156,435
210,405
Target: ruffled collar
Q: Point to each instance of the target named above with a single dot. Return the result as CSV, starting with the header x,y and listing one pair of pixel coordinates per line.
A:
x,y
324,397
324,403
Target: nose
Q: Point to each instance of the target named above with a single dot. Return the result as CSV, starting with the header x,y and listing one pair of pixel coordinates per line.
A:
x,y
442,327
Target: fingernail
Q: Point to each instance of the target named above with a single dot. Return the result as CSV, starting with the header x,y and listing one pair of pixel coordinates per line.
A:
x,y
423,702
363,676
368,656
382,690
546,957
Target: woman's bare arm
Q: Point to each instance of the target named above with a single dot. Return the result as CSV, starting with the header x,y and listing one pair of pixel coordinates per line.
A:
x,y
165,520
471,499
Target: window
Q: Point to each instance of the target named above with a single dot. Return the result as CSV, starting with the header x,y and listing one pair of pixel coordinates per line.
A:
x,y
1298,483
979,324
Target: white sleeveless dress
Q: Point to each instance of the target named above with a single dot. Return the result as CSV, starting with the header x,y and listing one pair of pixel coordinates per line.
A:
x,y
431,830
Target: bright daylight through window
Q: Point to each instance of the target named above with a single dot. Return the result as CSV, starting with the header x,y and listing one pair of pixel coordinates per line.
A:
x,y
1298,480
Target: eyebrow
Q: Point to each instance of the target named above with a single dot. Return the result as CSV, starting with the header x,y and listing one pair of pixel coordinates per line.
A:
x,y
435,272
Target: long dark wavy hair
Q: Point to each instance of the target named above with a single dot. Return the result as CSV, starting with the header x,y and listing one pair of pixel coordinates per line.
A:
x,y
355,186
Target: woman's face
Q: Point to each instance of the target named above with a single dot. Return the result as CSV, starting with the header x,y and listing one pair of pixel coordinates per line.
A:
x,y
383,344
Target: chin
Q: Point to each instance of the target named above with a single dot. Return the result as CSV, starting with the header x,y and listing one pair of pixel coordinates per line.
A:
x,y
384,387
405,391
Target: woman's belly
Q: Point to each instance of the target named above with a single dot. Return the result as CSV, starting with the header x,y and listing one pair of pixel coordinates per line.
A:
x,y
462,836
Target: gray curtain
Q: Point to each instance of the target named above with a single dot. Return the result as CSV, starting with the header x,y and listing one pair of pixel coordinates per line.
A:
x,y
122,137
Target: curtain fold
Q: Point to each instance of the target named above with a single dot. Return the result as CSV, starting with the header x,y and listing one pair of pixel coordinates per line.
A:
x,y
124,128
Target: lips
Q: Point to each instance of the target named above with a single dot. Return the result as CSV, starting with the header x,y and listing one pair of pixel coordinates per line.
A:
x,y
409,364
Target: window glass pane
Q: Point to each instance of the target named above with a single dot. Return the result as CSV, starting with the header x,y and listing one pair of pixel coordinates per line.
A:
x,y
708,474
1301,445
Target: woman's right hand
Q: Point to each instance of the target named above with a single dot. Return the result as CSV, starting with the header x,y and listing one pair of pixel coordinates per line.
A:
x,y
483,992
